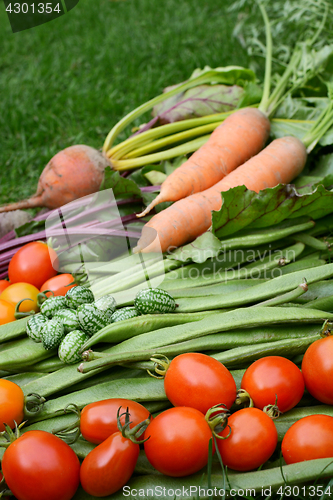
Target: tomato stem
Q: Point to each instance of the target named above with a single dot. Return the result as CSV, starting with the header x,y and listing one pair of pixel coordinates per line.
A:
x,y
18,314
217,419
243,397
70,433
161,365
33,403
136,431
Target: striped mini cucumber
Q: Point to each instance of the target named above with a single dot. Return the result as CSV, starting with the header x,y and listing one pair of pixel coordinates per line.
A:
x,y
91,319
52,305
69,349
68,318
124,313
107,304
52,334
34,326
154,301
77,296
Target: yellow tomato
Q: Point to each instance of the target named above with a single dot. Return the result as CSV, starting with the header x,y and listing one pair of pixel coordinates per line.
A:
x,y
7,312
18,291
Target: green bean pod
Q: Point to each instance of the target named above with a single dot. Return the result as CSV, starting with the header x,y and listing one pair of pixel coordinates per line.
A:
x,y
252,484
140,389
13,330
123,330
23,354
257,293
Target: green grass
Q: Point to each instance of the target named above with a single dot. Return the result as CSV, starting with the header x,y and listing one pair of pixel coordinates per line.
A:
x,y
69,81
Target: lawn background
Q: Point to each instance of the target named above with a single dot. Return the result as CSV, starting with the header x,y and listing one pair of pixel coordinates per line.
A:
x,y
69,81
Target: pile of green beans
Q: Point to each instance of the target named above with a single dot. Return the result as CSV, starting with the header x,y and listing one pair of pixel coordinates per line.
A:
x,y
236,307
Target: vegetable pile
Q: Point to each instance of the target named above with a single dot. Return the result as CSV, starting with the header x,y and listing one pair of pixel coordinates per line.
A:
x,y
178,333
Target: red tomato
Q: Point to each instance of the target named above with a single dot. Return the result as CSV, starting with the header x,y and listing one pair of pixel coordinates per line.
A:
x,y
3,285
40,466
271,377
178,441
109,466
18,291
199,381
58,284
309,438
11,404
252,440
33,263
7,312
317,369
99,420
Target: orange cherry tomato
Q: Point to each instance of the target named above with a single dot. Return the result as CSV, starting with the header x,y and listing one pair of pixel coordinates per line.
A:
x,y
18,291
11,404
33,263
3,284
7,312
58,284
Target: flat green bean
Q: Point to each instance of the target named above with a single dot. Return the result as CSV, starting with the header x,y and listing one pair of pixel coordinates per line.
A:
x,y
24,377
13,330
219,289
257,293
317,290
298,265
250,484
144,388
123,330
66,377
25,352
310,241
255,237
219,322
286,347
324,304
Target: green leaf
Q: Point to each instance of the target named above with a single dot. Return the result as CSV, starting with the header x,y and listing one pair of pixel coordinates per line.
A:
x,y
201,249
30,228
155,177
122,188
244,208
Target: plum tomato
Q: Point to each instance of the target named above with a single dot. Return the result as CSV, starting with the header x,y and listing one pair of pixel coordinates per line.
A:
x,y
39,466
274,379
317,369
252,440
33,263
59,284
309,438
199,381
178,441
99,420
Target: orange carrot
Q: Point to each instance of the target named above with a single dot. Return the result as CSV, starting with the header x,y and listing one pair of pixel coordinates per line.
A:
x,y
242,135
280,162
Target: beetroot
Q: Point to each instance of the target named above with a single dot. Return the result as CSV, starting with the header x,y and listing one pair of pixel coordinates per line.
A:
x,y
72,173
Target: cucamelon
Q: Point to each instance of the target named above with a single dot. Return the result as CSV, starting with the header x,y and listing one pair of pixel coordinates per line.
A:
x,y
124,313
77,296
52,305
68,318
34,326
154,301
91,319
107,304
69,349
52,334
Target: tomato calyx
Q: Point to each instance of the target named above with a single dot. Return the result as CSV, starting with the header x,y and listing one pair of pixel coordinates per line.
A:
x,y
243,397
18,314
217,419
327,329
10,435
272,410
161,365
136,431
70,433
33,403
